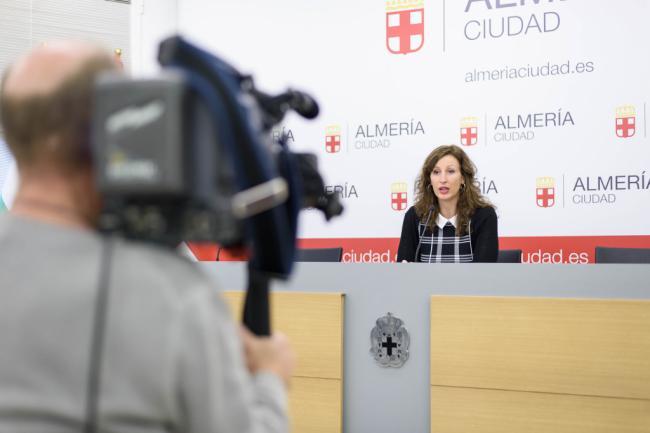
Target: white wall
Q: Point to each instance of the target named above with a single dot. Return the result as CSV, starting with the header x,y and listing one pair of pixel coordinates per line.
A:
x,y
27,23
151,21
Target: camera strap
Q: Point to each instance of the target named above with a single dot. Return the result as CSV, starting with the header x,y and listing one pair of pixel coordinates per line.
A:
x,y
93,384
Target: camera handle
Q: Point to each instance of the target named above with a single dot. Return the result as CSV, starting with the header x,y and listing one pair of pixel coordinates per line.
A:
x,y
257,313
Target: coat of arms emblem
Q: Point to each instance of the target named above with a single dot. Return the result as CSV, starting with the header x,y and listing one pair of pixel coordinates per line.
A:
x,y
333,139
398,196
468,131
545,192
404,26
625,121
390,341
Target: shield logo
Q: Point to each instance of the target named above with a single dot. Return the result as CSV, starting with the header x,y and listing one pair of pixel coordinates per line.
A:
x,y
468,131
333,139
404,26
389,341
398,196
545,192
625,121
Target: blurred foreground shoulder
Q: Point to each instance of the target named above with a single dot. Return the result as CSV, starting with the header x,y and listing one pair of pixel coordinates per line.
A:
x,y
161,269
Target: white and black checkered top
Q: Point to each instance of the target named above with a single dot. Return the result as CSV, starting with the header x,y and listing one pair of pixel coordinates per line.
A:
x,y
443,246
480,244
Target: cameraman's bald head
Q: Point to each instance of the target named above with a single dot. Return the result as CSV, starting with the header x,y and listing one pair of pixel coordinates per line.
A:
x,y
46,102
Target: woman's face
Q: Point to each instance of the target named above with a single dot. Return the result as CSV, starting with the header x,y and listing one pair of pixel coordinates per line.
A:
x,y
446,179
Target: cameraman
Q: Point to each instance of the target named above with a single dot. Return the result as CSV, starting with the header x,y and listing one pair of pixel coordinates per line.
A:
x,y
171,357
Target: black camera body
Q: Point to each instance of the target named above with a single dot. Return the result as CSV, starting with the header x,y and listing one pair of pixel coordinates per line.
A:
x,y
162,174
189,156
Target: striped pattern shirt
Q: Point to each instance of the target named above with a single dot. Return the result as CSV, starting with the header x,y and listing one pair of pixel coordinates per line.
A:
x,y
442,245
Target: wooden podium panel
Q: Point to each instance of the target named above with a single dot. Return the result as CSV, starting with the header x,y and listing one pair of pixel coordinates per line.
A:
x,y
314,324
315,405
472,410
586,347
580,365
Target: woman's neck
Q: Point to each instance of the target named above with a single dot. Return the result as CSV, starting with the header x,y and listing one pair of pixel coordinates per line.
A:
x,y
448,210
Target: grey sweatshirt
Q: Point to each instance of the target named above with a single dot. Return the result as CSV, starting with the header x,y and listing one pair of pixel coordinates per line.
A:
x,y
172,360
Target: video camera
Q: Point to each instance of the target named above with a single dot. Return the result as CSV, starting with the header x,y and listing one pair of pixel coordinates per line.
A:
x,y
189,156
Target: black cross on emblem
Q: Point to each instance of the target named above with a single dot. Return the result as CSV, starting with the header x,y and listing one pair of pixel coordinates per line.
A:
x,y
389,345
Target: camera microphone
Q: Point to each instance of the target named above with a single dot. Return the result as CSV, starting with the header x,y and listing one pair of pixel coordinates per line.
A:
x,y
302,104
276,106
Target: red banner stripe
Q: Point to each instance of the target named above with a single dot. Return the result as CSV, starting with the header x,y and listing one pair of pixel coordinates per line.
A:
x,y
546,249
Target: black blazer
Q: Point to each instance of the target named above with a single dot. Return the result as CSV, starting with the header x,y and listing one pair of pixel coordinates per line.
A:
x,y
485,236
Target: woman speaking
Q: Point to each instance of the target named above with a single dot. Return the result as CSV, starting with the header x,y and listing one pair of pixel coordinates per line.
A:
x,y
451,221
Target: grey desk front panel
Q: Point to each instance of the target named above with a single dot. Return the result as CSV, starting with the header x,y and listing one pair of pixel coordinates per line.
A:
x,y
397,400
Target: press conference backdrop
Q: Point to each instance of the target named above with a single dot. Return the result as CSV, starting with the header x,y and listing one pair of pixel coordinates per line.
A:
x,y
549,98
